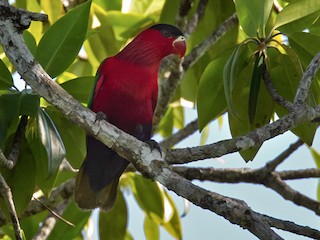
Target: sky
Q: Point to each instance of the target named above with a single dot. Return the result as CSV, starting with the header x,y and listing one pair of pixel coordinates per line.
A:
x,y
203,224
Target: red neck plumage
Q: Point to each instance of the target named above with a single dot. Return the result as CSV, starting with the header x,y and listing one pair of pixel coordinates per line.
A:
x,y
145,50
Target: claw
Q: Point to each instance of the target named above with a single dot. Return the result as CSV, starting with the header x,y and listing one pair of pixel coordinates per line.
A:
x,y
154,145
100,116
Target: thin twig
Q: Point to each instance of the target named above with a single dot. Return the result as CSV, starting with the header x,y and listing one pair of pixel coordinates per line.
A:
x,y
4,162
49,223
17,140
305,83
275,182
273,91
299,174
271,165
180,135
8,198
193,23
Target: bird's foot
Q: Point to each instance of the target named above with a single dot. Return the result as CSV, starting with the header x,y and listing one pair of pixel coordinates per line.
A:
x,y
154,145
100,116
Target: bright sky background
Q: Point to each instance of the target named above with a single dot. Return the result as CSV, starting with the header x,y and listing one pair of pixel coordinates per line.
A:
x,y
203,224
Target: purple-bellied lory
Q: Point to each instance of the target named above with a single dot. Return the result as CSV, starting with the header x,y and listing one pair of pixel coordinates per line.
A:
x,y
126,93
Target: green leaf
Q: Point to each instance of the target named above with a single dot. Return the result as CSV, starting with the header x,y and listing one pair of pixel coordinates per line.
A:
x,y
74,215
13,104
103,43
235,63
165,127
172,221
265,107
253,15
6,80
211,101
36,27
52,142
178,117
113,224
30,42
44,182
53,8
316,156
151,229
61,43
169,12
255,86
72,135
22,177
152,202
79,88
297,10
29,104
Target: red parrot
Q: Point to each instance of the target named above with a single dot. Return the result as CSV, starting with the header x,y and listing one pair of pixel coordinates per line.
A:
x,y
126,94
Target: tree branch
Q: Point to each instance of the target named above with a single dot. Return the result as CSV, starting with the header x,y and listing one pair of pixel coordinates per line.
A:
x,y
254,138
305,83
49,223
8,198
180,135
273,91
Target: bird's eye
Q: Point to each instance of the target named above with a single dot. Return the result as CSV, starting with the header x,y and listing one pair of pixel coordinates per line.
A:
x,y
166,34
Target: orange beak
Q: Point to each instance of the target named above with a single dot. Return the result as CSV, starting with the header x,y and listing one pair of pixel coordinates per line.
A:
x,y
179,46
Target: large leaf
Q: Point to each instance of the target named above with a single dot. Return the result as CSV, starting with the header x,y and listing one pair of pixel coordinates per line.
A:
x,y
297,10
40,155
241,125
60,45
11,106
6,80
52,142
236,62
253,15
74,215
72,135
151,229
30,42
169,12
79,88
22,177
172,221
53,8
148,196
113,224
36,27
255,86
211,101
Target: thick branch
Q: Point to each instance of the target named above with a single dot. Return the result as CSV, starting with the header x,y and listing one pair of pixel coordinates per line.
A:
x,y
254,138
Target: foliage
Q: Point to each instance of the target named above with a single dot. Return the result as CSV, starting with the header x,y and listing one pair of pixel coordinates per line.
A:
x,y
228,78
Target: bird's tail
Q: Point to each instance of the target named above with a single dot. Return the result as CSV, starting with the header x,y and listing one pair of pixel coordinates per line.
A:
x,y
87,198
98,177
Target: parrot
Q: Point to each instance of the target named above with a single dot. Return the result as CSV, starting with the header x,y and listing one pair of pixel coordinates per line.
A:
x,y
125,95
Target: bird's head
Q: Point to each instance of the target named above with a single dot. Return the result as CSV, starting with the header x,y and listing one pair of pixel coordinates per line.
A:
x,y
153,44
171,38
